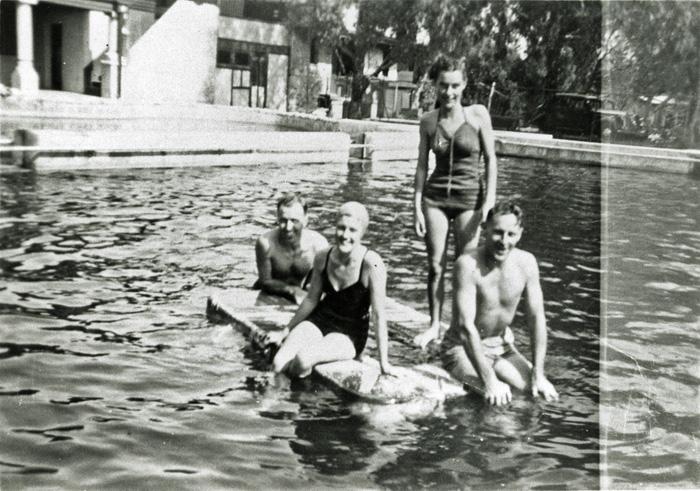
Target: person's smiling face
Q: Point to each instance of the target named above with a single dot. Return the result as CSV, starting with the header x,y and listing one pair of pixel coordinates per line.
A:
x,y
450,85
348,233
501,235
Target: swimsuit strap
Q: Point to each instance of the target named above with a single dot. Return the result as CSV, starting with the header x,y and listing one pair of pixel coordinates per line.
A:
x,y
325,266
359,277
362,264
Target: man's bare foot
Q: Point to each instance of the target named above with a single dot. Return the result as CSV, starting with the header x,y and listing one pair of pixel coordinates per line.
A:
x,y
426,337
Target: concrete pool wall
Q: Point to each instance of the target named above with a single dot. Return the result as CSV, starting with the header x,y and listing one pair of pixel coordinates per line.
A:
x,y
404,146
62,131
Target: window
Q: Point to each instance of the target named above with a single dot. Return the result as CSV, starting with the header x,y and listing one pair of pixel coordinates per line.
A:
x,y
223,57
241,58
264,10
231,8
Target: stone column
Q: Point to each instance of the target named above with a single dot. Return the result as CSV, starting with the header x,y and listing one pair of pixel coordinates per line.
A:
x,y
122,42
110,60
24,76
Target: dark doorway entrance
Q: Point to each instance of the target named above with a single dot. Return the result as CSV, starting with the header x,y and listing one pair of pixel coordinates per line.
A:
x,y
57,56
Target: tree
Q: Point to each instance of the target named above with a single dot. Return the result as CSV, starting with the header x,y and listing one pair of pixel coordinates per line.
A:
x,y
658,51
390,24
563,42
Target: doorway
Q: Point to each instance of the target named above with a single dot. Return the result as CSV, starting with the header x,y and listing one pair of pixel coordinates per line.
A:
x,y
56,56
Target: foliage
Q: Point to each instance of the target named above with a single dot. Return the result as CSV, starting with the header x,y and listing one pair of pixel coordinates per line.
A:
x,y
655,51
530,49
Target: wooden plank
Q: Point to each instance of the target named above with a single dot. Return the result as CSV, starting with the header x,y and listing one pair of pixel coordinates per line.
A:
x,y
255,314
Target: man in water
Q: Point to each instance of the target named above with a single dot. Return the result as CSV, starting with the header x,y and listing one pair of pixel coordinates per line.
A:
x,y
284,255
488,284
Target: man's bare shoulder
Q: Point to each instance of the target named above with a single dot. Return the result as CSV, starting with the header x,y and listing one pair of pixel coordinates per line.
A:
x,y
267,240
467,264
525,261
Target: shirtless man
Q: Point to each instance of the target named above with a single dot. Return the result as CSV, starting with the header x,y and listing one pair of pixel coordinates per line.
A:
x,y
285,254
488,284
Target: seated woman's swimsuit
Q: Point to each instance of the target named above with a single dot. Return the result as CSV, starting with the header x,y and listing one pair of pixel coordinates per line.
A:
x,y
345,311
455,185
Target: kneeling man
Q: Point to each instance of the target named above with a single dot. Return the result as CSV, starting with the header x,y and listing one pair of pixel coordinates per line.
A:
x,y
284,255
488,284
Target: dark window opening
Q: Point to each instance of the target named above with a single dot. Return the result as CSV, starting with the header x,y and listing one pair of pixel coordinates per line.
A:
x,y
231,8
8,29
241,58
223,57
264,10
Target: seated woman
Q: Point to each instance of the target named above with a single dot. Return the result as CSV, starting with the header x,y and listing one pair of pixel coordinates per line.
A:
x,y
332,323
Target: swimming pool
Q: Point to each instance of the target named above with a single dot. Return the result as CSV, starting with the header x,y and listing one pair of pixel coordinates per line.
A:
x,y
113,377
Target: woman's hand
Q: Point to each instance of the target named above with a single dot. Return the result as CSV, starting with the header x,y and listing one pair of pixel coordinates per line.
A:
x,y
419,222
274,337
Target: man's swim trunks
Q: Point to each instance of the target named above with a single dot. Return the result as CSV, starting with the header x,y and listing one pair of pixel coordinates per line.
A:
x,y
456,361
455,184
345,311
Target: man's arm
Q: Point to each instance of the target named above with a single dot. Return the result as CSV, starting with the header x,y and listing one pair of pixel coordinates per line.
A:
x,y
265,280
496,392
537,323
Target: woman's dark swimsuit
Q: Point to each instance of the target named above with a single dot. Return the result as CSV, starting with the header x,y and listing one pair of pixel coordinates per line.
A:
x,y
345,311
455,185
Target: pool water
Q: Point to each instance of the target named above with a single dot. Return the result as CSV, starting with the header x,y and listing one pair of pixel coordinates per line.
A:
x,y
114,378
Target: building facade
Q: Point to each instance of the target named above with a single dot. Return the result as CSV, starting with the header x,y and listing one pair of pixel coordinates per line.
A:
x,y
69,45
227,52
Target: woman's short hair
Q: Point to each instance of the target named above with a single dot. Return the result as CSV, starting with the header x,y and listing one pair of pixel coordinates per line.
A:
x,y
356,210
444,63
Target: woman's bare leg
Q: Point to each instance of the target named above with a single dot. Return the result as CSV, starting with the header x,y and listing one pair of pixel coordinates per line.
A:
x,y
467,229
305,334
332,347
437,231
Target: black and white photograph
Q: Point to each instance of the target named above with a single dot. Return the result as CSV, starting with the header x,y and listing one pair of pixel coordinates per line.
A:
x,y
349,244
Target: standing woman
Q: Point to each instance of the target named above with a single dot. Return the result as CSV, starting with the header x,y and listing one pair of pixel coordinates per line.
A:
x,y
455,191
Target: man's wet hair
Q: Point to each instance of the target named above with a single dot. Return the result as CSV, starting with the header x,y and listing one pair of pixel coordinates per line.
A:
x,y
288,199
506,208
445,63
